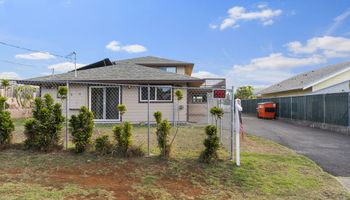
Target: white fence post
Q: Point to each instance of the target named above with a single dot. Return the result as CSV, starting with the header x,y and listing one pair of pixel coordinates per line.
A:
x,y
148,120
67,114
232,123
237,110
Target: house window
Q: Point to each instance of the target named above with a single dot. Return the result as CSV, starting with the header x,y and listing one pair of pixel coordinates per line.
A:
x,y
168,69
159,93
199,98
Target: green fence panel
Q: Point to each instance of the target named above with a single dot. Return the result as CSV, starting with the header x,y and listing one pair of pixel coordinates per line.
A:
x,y
285,107
298,108
314,108
322,108
337,109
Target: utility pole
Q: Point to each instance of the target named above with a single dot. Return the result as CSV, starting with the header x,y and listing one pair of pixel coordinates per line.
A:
x,y
74,54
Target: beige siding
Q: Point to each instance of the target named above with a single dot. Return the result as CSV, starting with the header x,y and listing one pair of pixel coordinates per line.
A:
x,y
180,70
78,96
287,93
137,111
332,81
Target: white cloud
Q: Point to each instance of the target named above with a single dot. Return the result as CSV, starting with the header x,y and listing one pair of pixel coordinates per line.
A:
x,y
36,56
277,61
338,21
64,67
205,74
277,67
328,45
113,46
213,26
134,48
9,75
237,13
262,5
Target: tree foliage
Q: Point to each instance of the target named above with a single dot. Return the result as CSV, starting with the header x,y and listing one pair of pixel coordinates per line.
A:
x,y
24,95
82,126
43,130
6,123
245,92
5,83
62,92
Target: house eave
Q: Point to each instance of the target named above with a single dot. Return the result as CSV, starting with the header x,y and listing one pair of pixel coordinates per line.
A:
x,y
325,78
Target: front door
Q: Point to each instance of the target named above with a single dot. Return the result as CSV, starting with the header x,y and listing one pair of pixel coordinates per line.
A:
x,y
104,102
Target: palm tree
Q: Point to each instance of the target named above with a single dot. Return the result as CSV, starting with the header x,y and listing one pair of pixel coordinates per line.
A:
x,y
5,83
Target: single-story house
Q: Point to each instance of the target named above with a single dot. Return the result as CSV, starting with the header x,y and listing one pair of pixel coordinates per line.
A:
x,y
103,85
329,79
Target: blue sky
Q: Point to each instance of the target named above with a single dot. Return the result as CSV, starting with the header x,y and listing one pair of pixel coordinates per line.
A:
x,y
248,42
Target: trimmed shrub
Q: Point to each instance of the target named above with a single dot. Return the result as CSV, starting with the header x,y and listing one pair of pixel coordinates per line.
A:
x,y
163,132
122,134
135,152
62,92
3,104
81,126
43,130
179,94
103,146
122,109
158,116
211,144
6,124
217,113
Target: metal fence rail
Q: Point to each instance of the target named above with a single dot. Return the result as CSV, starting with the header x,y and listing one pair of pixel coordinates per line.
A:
x,y
321,108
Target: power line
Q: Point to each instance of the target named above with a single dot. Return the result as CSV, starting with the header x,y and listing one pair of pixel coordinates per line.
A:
x,y
33,50
16,63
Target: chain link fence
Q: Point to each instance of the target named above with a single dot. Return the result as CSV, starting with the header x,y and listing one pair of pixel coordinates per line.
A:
x,y
321,108
142,101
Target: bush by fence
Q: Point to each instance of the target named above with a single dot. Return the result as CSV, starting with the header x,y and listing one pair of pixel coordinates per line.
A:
x,y
320,108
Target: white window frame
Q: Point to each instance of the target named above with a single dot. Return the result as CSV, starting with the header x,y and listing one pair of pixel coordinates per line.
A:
x,y
156,100
168,67
104,103
199,95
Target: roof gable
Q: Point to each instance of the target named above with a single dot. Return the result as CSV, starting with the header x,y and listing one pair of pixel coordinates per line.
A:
x,y
307,79
119,72
152,60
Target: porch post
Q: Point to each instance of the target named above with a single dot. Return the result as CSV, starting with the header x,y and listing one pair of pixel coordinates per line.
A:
x,y
149,125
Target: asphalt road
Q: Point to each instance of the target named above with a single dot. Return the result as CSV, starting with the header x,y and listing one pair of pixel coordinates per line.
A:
x,y
328,149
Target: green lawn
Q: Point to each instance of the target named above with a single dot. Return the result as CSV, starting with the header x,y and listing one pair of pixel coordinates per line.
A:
x,y
268,171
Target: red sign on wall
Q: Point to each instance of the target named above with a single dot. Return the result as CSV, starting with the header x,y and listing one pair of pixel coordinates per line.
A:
x,y
219,94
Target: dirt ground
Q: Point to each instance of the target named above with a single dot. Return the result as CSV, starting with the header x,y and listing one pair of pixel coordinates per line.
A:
x,y
268,171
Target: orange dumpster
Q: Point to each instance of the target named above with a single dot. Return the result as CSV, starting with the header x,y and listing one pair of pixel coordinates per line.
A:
x,y
266,110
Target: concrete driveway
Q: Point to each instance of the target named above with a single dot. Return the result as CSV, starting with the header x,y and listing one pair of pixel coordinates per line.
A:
x,y
328,149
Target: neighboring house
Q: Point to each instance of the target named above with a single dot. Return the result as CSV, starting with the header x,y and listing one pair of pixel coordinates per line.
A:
x,y
329,79
128,81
